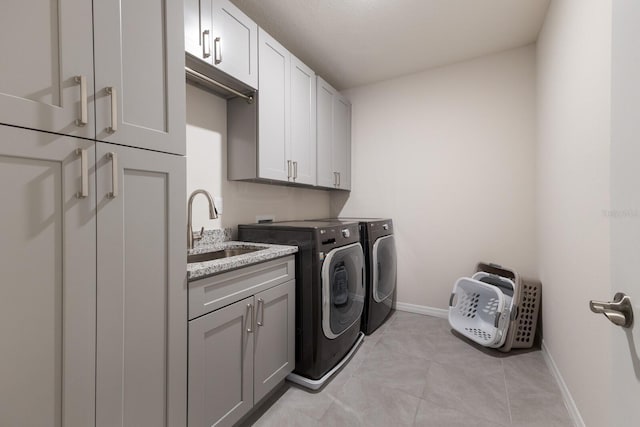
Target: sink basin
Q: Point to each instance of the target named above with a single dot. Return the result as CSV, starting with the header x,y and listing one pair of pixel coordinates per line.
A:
x,y
222,253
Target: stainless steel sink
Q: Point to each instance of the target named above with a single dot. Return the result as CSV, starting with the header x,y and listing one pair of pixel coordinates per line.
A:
x,y
222,253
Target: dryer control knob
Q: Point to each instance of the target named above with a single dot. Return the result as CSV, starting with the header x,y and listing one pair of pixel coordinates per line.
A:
x,y
385,226
346,233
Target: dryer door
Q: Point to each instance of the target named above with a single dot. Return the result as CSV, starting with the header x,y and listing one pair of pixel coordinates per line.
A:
x,y
384,268
342,289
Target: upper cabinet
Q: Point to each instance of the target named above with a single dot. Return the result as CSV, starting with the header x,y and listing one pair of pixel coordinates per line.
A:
x,y
276,140
47,66
334,138
135,97
218,33
139,77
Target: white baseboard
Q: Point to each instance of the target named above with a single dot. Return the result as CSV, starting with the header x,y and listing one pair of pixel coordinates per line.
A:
x,y
574,413
422,309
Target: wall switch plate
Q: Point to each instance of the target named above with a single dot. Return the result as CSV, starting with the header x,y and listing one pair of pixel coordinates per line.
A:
x,y
265,218
218,202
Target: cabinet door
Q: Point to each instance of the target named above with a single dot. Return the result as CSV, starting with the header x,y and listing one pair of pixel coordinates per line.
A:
x,y
303,122
275,337
221,365
142,297
324,115
44,45
139,57
198,29
47,280
341,149
235,42
273,109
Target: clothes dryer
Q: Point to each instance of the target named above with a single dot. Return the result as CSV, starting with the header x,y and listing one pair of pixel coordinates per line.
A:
x,y
330,292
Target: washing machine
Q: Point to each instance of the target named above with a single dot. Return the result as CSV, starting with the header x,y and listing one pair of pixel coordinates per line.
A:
x,y
376,237
330,292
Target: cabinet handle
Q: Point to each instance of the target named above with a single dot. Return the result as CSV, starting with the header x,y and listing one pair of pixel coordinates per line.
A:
x,y
295,170
83,120
84,174
260,303
288,169
114,109
217,51
335,179
114,175
206,45
250,318
339,179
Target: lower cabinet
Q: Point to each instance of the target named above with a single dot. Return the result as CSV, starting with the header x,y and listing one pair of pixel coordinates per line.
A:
x,y
238,353
93,292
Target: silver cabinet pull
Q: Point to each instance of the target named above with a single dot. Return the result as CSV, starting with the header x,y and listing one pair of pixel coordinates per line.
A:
x,y
217,51
260,303
250,318
114,109
335,179
619,311
288,169
114,175
295,170
84,114
206,44
84,174
339,179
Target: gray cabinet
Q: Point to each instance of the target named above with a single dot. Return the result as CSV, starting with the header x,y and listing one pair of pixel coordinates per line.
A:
x,y
221,365
135,97
47,64
274,337
139,77
275,141
334,138
141,284
93,298
47,279
244,345
220,34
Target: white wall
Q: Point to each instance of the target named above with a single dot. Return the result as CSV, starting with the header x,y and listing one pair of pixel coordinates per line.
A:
x,y
449,154
207,168
574,59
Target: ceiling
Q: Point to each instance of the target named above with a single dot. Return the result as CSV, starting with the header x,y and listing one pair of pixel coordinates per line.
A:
x,y
356,42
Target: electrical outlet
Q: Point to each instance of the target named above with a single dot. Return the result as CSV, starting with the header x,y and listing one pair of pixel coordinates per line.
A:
x,y
265,218
218,203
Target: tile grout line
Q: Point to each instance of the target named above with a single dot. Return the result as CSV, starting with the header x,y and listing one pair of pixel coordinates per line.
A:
x,y
506,389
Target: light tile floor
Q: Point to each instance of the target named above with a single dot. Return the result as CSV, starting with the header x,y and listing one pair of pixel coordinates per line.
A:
x,y
414,371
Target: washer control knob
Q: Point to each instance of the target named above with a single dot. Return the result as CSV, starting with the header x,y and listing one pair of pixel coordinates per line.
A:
x,y
346,233
385,226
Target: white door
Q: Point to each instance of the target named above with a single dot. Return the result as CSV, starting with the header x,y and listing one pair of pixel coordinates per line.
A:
x,y
625,201
235,43
324,125
303,122
341,148
273,109
141,358
44,46
139,74
47,280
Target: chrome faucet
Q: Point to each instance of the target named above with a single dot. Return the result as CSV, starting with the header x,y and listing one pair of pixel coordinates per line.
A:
x,y
213,214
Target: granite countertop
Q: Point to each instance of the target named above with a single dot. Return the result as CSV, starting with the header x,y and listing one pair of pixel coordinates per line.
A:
x,y
215,240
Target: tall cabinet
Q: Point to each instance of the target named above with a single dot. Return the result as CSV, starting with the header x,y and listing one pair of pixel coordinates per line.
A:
x,y
93,273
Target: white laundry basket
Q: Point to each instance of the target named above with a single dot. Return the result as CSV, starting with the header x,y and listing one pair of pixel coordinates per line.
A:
x,y
481,311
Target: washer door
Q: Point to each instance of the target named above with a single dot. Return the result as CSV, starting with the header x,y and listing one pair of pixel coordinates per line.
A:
x,y
384,268
342,289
